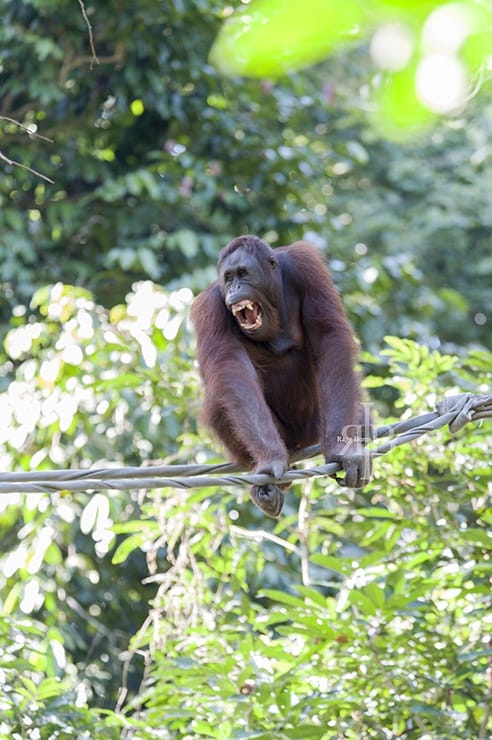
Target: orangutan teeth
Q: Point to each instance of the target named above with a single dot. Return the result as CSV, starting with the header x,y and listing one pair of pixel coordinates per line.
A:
x,y
250,327
248,314
237,307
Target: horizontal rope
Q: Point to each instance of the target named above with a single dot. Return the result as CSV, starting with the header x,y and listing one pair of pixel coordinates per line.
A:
x,y
455,411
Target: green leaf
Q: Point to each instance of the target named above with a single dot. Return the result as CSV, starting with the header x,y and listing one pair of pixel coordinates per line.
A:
x,y
331,563
271,39
310,594
305,732
282,598
125,548
363,601
376,512
479,537
375,594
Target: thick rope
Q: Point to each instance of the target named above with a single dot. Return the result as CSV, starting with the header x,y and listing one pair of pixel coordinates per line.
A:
x,y
455,411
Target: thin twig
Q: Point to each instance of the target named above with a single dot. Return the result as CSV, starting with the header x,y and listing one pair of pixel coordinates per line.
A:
x,y
263,534
304,521
94,59
14,163
27,129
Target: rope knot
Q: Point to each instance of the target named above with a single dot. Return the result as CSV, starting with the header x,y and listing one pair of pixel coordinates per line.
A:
x,y
463,408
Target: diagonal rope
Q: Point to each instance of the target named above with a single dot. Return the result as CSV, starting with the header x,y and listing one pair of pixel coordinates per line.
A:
x,y
455,411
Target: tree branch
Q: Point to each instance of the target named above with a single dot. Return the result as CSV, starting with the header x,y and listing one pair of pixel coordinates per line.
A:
x,y
25,128
94,59
14,163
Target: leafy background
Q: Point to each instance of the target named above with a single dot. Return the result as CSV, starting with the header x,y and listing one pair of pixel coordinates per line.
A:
x,y
164,614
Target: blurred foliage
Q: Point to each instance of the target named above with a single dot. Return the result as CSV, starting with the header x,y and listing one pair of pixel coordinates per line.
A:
x,y
171,614
430,53
358,615
158,161
88,388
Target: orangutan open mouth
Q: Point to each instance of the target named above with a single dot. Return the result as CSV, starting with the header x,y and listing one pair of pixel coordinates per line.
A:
x,y
248,314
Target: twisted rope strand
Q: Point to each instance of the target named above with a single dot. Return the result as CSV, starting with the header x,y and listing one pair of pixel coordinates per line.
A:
x,y
455,412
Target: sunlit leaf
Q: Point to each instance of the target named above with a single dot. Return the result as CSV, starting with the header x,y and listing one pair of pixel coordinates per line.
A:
x,y
270,37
